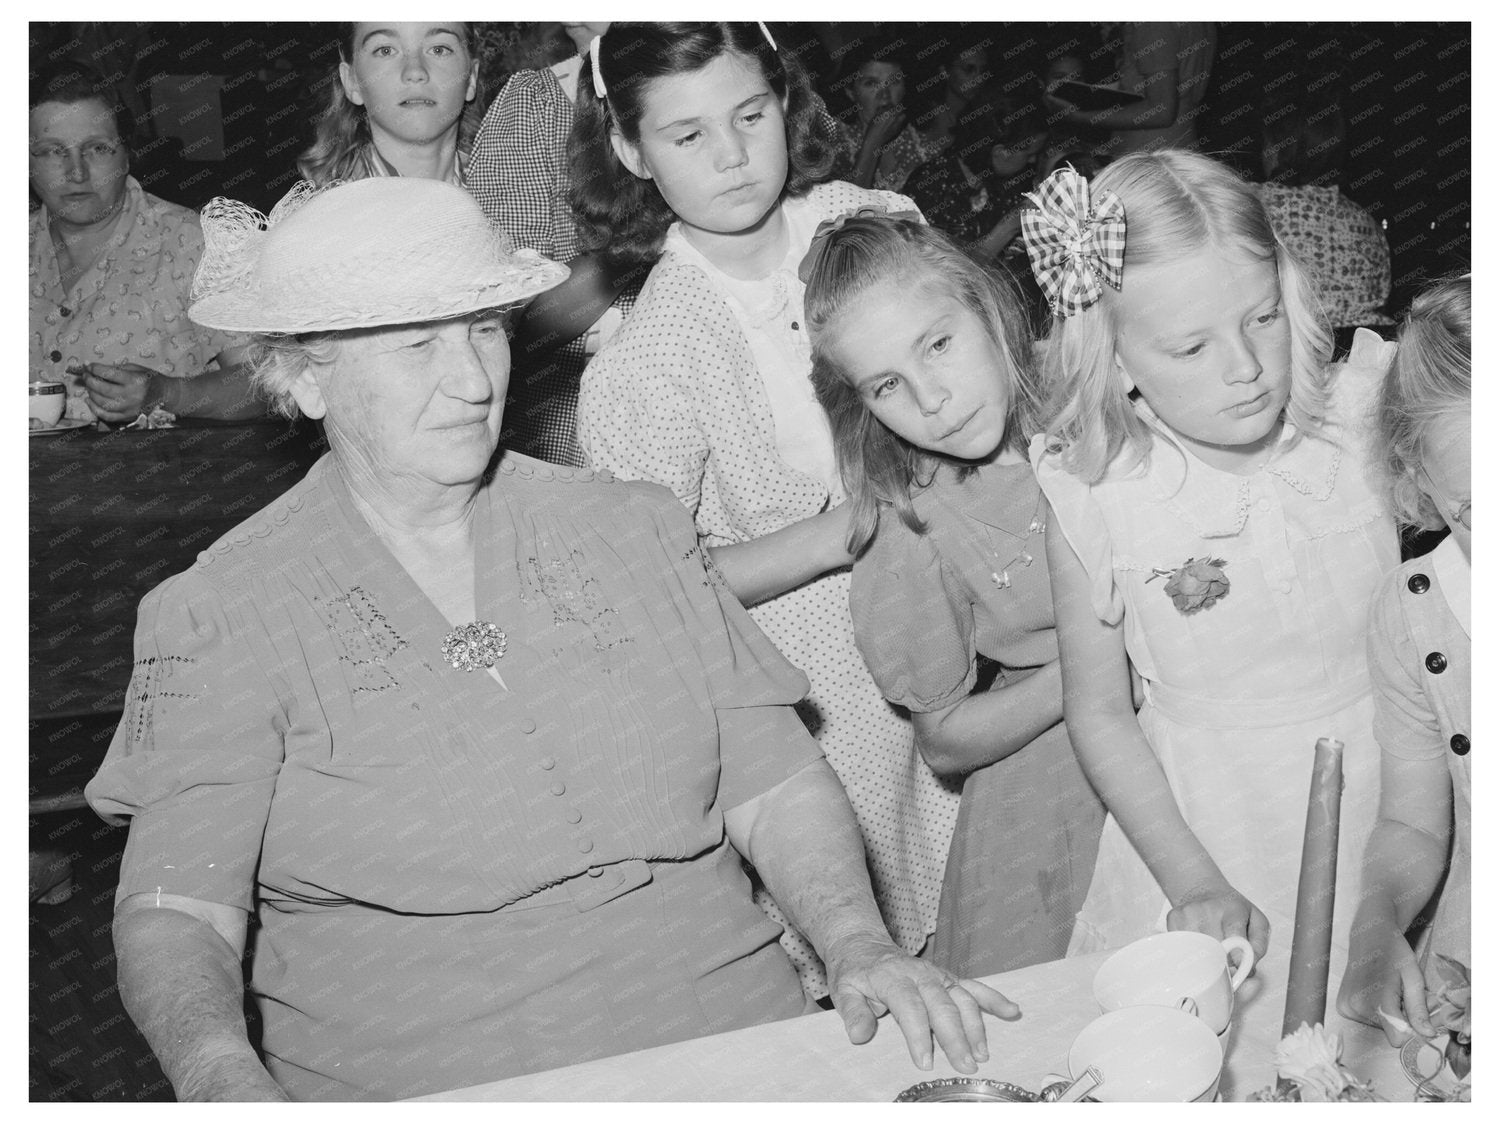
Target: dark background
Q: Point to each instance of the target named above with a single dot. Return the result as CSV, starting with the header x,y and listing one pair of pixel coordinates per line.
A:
x,y
1405,95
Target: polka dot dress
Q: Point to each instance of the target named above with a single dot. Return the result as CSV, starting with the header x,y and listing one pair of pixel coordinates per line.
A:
x,y
677,398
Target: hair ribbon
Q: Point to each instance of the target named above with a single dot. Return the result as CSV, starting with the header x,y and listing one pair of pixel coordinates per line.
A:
x,y
594,68
1074,241
599,91
828,226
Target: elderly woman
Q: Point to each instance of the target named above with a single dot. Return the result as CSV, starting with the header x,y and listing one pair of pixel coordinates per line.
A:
x,y
111,268
480,748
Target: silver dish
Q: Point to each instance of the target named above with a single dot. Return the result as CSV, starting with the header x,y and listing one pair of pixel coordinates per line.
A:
x,y
964,1089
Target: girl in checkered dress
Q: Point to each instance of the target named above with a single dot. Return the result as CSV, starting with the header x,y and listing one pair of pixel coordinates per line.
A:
x,y
1213,527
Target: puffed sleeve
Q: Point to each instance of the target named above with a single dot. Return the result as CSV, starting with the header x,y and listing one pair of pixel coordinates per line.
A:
x,y
194,761
752,686
636,417
1405,724
1076,510
516,166
913,623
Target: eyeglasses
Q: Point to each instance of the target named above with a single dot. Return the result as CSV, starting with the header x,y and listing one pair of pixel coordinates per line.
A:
x,y
56,155
1459,514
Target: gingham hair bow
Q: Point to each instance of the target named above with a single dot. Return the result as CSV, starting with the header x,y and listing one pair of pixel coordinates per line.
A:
x,y
828,226
1074,242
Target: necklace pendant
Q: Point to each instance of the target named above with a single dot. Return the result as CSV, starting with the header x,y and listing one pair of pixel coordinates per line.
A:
x,y
473,647
1037,527
1001,580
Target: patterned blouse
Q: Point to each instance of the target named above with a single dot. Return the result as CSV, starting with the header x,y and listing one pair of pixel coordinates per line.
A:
x,y
131,306
1343,246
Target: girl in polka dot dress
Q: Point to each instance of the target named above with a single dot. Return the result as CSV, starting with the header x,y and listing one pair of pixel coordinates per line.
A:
x,y
1215,527
697,142
921,359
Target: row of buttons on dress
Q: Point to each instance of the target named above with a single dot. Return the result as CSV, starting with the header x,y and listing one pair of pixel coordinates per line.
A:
x,y
541,471
1436,662
558,788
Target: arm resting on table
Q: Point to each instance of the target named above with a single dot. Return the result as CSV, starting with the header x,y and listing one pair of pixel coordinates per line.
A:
x,y
802,839
222,394
181,982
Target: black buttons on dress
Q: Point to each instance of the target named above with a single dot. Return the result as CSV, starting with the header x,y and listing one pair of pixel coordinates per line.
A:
x,y
1436,662
795,326
1418,583
65,310
55,356
1459,744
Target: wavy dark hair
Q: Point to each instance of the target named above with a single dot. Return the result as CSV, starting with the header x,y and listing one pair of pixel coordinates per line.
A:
x,y
343,128
878,467
624,217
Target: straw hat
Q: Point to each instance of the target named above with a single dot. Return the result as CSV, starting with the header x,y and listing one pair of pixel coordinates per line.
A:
x,y
358,255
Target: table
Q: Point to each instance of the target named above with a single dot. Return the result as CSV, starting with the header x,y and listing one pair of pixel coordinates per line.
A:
x,y
810,1058
113,514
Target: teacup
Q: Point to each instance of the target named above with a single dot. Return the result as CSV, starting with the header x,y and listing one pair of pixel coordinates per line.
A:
x,y
47,401
1181,969
1149,1054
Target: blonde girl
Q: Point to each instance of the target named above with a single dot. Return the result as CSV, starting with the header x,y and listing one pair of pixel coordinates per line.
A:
x,y
922,359
1214,527
1420,660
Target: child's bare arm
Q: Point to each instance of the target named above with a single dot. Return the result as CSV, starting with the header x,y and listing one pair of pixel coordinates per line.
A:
x,y
1119,763
983,728
772,564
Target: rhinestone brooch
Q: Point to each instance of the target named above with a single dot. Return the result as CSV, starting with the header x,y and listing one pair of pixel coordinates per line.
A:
x,y
474,647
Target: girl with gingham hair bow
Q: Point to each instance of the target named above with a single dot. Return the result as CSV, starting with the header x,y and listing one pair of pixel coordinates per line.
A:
x,y
1197,433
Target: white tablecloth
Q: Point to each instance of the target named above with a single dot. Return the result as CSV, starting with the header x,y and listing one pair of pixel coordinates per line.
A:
x,y
811,1059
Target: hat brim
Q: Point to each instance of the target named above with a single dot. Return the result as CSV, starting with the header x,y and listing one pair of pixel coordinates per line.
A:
x,y
248,309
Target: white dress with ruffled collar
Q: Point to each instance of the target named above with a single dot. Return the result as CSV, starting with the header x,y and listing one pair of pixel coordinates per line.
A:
x,y
1237,694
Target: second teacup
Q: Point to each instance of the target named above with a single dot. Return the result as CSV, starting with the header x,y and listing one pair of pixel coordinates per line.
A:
x,y
1165,969
1149,1054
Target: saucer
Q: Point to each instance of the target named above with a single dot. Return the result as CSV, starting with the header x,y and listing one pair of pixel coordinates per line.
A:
x,y
1425,1065
61,427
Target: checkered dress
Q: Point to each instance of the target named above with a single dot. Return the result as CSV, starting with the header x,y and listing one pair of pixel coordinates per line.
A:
x,y
518,171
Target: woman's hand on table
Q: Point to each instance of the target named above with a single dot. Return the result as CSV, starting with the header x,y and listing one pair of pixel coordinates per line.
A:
x,y
1383,982
1222,912
120,392
869,976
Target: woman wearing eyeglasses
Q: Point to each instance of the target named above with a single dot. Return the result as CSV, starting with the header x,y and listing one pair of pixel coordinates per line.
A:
x,y
111,272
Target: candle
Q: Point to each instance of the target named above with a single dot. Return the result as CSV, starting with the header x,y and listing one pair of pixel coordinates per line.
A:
x,y
1312,933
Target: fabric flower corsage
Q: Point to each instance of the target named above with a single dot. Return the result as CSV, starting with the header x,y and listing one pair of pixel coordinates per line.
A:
x,y
1197,584
1309,1071
1074,241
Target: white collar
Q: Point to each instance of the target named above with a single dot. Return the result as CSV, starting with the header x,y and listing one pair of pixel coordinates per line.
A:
x,y
566,73
1453,573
